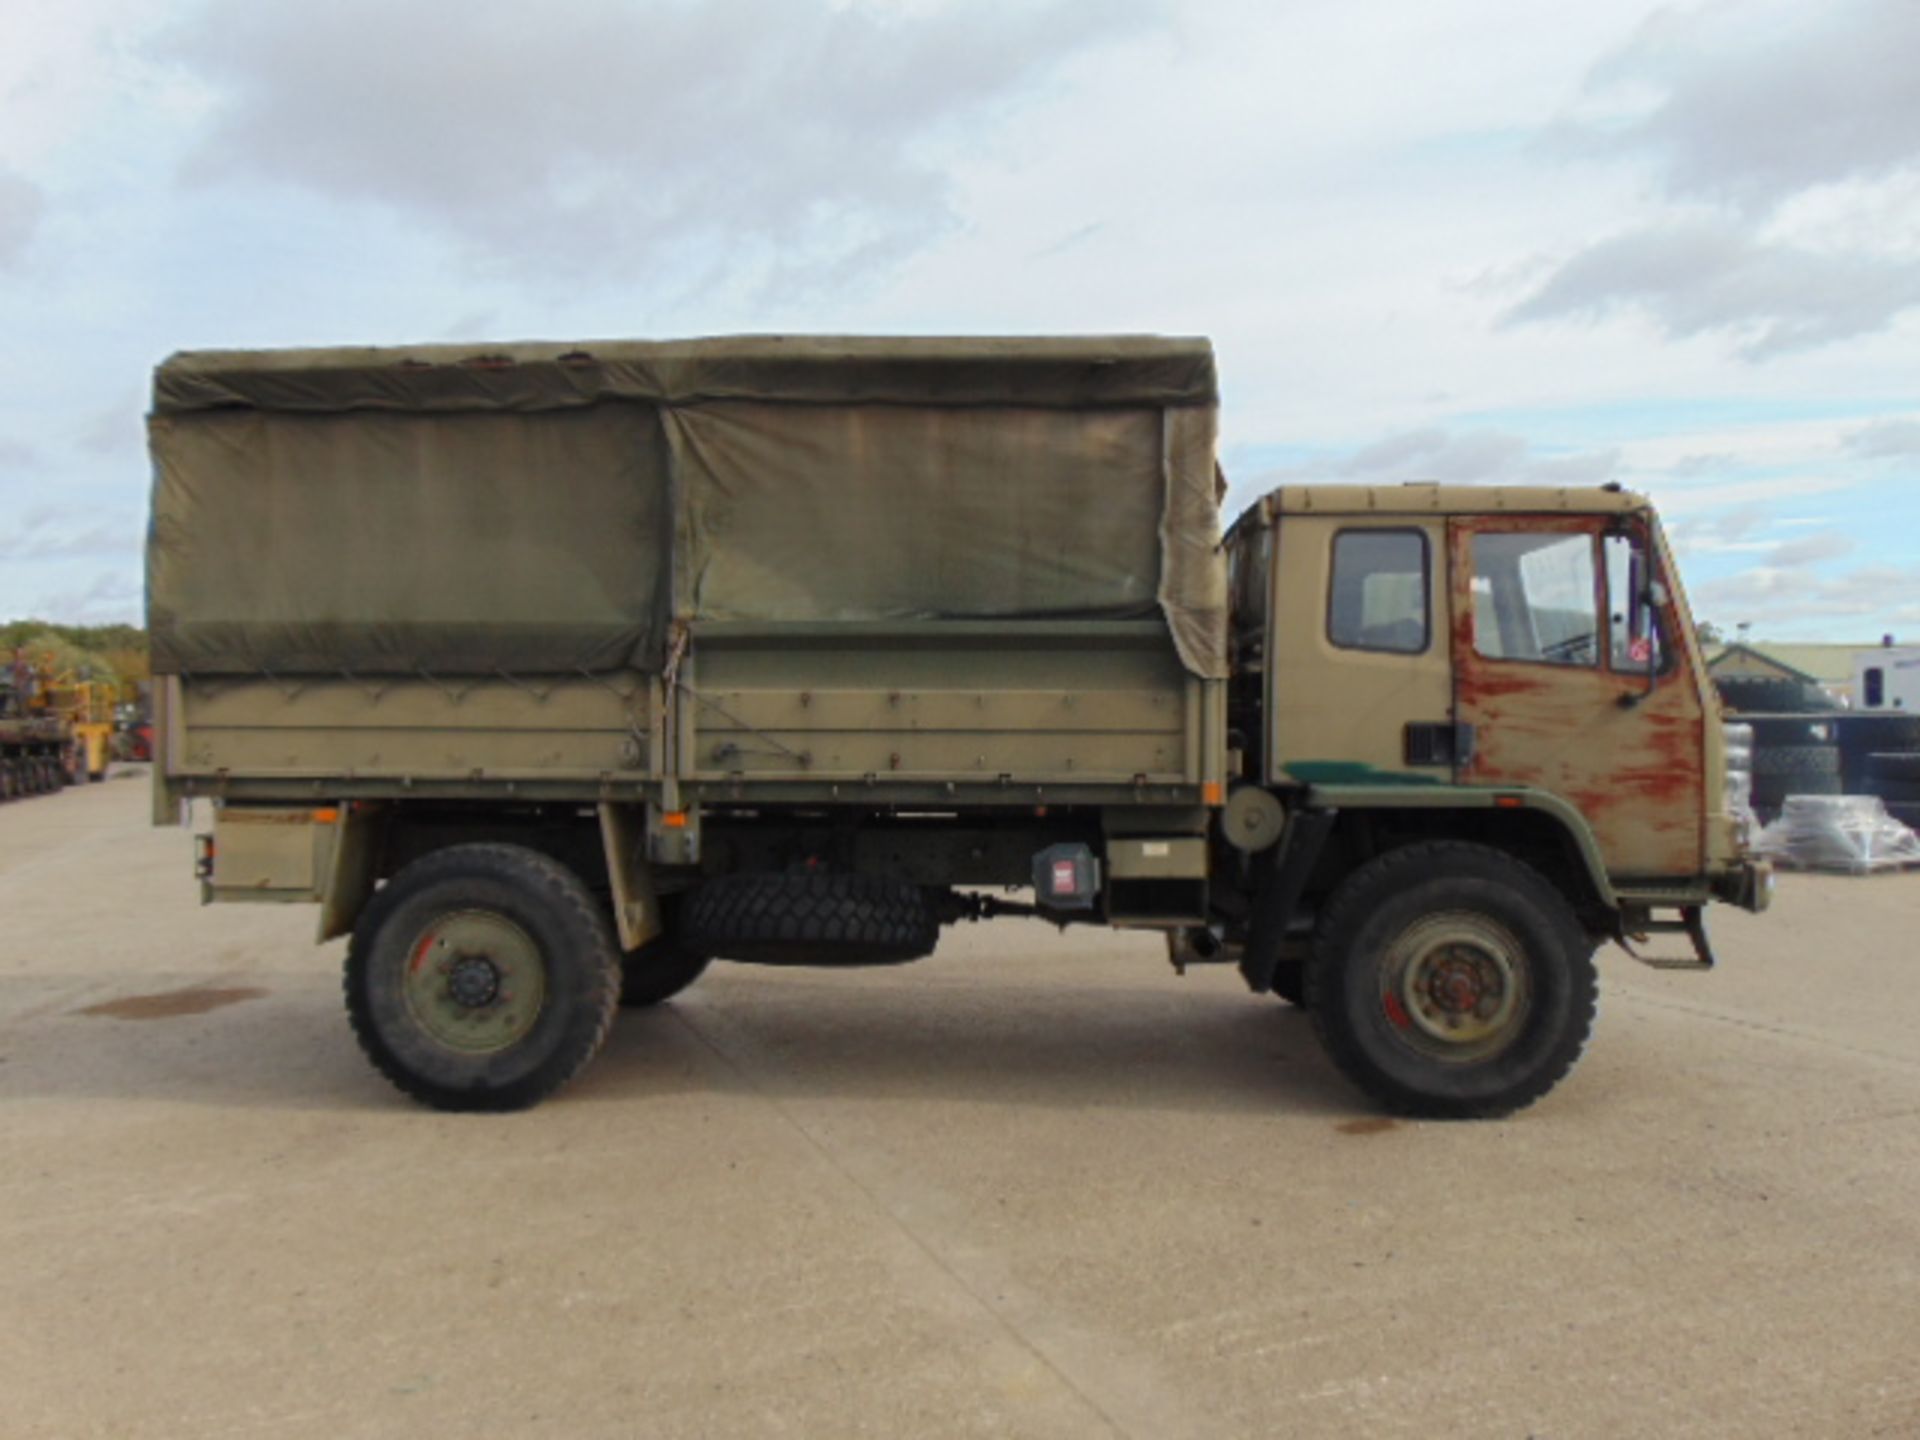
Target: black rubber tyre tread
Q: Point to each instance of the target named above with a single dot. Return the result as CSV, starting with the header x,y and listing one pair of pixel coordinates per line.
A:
x,y
657,971
1897,765
1770,731
1766,694
1796,760
810,919
1395,889
558,912
1290,982
665,965
1877,733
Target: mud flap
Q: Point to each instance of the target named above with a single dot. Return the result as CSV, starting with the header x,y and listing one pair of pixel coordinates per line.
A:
x,y
1292,861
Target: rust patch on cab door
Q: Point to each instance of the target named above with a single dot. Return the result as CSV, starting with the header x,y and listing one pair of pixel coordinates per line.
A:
x,y
1631,762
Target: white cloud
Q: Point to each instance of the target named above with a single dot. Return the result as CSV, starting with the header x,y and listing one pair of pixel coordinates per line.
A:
x,y
21,206
46,533
806,138
109,597
1810,550
1753,103
1886,439
1709,276
1346,197
1790,136
1789,602
1470,457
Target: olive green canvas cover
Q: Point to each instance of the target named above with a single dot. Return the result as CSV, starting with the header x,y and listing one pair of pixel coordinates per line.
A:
x,y
542,509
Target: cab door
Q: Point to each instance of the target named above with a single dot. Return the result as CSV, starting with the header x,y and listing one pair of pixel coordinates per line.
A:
x,y
1567,669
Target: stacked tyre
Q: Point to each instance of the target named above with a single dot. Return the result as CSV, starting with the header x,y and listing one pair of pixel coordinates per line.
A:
x,y
1771,695
1792,755
1739,761
1883,752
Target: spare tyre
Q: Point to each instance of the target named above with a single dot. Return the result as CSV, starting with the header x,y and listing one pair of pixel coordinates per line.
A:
x,y
1770,694
1894,765
1780,771
1877,733
1796,760
1894,776
810,919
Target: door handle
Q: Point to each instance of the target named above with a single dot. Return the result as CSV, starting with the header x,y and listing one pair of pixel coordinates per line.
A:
x,y
1439,742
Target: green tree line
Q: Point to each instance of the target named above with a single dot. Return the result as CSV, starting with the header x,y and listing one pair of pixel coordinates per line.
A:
x,y
112,653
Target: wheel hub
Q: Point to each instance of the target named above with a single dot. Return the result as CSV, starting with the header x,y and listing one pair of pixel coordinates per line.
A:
x,y
1455,986
476,982
473,981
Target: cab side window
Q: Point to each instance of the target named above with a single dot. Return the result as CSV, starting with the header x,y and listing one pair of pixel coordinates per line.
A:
x,y
1636,638
1378,598
1535,597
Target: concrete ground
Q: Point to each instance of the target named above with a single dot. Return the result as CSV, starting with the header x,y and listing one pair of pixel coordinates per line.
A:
x,y
1037,1186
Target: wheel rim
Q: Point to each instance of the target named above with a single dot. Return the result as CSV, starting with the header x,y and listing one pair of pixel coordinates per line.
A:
x,y
1456,987
475,982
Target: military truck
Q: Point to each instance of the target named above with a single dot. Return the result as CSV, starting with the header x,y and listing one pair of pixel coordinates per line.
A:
x,y
37,751
553,673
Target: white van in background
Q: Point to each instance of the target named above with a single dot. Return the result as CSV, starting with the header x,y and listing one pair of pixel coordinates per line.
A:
x,y
1887,678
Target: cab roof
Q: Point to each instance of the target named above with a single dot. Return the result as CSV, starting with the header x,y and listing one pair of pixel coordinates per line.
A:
x,y
1435,499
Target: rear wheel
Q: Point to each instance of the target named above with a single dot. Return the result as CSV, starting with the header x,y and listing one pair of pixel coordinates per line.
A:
x,y
482,977
1290,981
663,967
1450,980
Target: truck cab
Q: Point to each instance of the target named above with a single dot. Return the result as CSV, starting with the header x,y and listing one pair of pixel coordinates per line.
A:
x,y
1485,688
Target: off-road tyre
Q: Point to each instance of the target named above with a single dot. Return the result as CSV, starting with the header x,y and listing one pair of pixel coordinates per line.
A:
x,y
664,966
657,971
570,935
810,919
1895,771
1796,760
1877,732
1767,694
1290,981
1450,897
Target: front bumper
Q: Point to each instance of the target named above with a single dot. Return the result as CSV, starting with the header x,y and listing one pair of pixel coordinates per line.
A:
x,y
1747,884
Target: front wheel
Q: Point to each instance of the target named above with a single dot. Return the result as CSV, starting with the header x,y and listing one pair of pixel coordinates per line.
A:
x,y
482,977
1451,980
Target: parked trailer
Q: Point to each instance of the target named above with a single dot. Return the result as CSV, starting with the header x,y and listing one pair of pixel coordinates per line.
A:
x,y
552,673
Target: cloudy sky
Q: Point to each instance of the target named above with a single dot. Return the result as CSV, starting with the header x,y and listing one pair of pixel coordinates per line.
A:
x,y
1676,246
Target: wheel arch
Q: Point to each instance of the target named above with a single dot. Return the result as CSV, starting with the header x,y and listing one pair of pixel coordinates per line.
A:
x,y
1536,827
